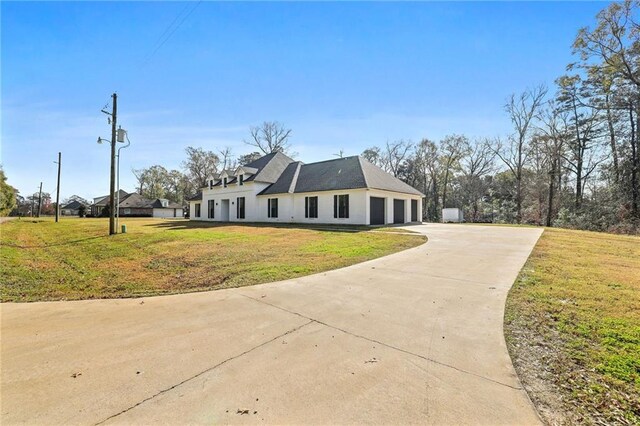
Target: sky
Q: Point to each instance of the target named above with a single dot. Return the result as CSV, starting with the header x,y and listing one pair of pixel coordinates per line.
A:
x,y
343,76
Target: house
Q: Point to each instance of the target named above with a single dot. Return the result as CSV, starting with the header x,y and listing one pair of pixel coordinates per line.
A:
x,y
135,205
99,203
275,188
72,208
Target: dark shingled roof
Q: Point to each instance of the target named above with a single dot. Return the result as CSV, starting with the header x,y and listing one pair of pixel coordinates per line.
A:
x,y
270,167
379,179
196,197
74,205
157,204
338,174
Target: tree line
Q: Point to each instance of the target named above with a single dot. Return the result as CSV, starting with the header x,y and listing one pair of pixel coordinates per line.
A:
x,y
572,158
200,164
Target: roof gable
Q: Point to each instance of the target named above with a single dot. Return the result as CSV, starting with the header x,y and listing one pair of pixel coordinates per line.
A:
x,y
269,168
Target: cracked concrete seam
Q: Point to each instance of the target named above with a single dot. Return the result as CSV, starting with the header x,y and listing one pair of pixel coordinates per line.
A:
x,y
453,367
293,330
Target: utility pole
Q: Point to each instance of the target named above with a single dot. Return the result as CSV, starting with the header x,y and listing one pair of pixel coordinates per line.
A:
x,y
40,200
58,187
112,198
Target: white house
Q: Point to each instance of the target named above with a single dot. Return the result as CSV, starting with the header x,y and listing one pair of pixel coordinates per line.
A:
x,y
275,188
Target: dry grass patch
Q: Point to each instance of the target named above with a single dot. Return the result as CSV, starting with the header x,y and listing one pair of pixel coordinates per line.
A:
x,y
572,325
74,259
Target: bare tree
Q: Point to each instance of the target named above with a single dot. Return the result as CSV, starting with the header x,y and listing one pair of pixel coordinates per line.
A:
x,y
553,138
394,155
522,110
200,165
226,158
270,137
248,158
476,165
452,148
373,155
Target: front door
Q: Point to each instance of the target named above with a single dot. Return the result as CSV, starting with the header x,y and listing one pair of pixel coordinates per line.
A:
x,y
398,211
224,210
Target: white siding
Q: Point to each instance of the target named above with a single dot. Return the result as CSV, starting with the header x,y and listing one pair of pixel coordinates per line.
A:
x,y
291,207
389,196
231,193
162,212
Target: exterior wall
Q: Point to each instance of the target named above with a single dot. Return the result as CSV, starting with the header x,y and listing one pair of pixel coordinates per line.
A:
x,y
452,215
249,191
135,212
291,207
168,213
389,197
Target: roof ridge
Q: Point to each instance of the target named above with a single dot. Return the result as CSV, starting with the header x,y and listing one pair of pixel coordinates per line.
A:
x,y
333,159
364,175
294,179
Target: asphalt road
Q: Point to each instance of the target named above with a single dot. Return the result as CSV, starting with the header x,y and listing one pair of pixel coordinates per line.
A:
x,y
414,337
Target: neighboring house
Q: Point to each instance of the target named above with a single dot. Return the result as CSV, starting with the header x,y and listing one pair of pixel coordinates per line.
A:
x,y
99,203
275,188
135,205
72,208
165,208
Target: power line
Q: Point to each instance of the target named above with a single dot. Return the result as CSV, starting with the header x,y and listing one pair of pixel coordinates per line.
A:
x,y
169,31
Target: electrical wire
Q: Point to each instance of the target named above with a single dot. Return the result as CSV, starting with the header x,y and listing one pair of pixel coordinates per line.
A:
x,y
169,31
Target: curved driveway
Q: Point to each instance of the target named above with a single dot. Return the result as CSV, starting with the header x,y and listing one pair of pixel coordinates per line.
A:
x,y
414,337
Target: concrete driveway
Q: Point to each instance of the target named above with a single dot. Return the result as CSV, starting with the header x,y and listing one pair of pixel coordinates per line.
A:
x,y
414,337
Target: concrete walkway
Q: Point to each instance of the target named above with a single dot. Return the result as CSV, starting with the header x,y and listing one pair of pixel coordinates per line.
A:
x,y
414,337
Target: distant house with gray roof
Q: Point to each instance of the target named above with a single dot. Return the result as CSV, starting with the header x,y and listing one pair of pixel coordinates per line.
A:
x,y
275,188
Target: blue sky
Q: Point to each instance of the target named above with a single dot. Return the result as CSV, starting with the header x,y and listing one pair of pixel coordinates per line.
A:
x,y
341,75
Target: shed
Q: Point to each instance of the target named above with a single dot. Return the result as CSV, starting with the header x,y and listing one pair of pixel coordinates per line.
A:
x,y
452,215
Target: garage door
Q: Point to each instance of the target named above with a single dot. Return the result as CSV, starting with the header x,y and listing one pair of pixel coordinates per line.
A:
x,y
398,211
414,210
376,211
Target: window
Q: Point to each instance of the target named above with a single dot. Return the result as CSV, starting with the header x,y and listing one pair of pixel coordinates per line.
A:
x,y
241,180
197,210
272,207
127,211
341,206
210,183
224,182
211,209
311,207
240,208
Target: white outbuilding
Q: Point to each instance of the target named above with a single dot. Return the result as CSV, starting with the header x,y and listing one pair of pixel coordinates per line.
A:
x,y
452,215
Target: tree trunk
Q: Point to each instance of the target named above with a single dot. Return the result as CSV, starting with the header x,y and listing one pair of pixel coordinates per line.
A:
x,y
519,196
635,162
552,181
612,141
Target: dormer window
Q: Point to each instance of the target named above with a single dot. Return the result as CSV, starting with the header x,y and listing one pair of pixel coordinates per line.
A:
x,y
241,180
210,183
224,181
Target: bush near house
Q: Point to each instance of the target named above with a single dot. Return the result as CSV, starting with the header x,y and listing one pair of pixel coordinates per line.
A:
x,y
76,259
572,325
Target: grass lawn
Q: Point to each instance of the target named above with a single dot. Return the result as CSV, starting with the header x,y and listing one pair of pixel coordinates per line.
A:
x,y
74,259
572,325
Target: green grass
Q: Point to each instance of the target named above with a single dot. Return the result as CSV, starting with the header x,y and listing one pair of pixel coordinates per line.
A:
x,y
572,323
74,259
